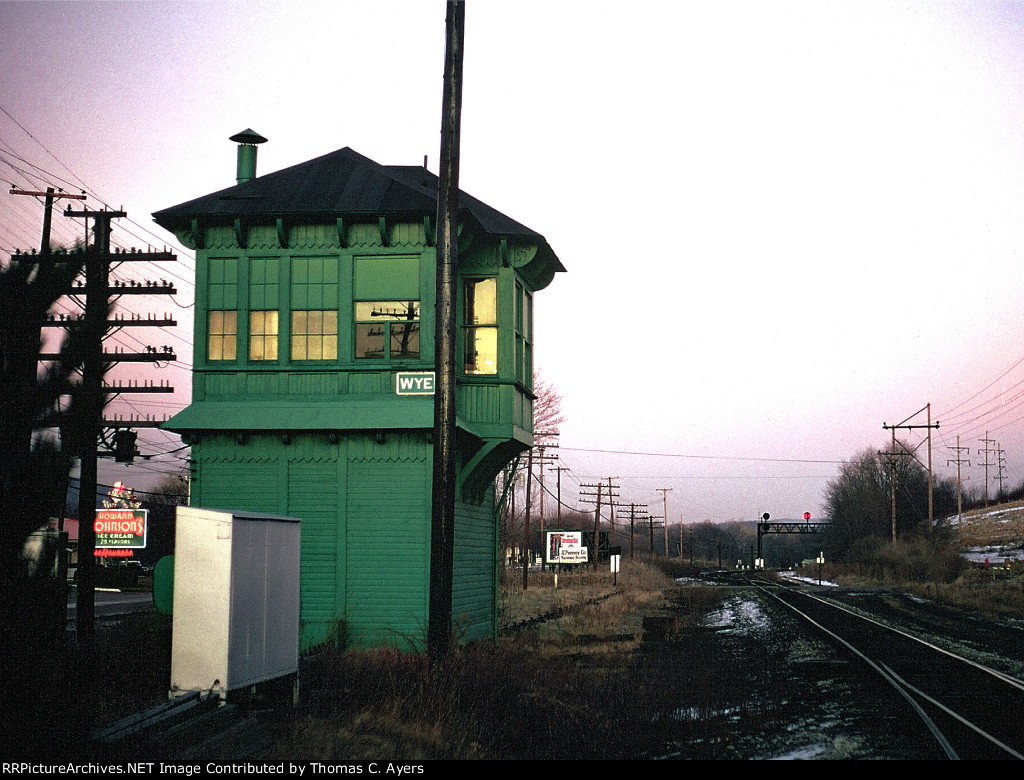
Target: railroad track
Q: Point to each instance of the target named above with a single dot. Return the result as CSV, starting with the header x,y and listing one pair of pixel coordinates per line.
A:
x,y
970,710
196,725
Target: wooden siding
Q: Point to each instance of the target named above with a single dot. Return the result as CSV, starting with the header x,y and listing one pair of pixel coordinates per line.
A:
x,y
388,549
474,598
244,484
313,496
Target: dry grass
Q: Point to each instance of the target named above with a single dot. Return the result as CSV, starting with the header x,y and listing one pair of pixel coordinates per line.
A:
x,y
979,595
993,526
558,688
587,600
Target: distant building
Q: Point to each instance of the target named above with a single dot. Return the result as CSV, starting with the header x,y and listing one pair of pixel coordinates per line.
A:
x,y
314,339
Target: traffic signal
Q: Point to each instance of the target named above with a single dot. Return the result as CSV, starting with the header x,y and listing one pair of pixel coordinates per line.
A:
x,y
807,516
124,446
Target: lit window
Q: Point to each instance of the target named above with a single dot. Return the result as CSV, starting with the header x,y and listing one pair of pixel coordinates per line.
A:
x,y
480,326
222,335
263,335
315,335
387,330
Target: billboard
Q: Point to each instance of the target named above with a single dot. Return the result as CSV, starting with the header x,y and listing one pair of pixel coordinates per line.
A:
x,y
565,547
121,528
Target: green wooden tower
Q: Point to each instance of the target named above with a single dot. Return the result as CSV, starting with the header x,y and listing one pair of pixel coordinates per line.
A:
x,y
311,389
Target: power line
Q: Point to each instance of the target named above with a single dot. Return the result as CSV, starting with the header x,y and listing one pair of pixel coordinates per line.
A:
x,y
703,457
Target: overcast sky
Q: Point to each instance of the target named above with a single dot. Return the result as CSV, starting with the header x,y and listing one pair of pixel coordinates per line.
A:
x,y
784,223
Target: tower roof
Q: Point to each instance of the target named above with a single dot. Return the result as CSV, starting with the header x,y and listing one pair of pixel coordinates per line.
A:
x,y
341,183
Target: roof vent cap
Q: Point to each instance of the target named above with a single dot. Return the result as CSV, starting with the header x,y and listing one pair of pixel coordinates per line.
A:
x,y
247,141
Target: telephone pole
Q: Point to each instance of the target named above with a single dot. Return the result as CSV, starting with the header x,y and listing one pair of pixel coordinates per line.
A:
x,y
664,503
586,499
632,522
93,390
49,196
23,363
526,520
442,523
558,477
611,511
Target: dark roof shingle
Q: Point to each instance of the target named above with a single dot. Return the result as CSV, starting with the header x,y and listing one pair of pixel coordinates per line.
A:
x,y
340,183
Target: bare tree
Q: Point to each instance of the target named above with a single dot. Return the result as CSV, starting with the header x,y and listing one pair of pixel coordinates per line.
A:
x,y
547,406
547,417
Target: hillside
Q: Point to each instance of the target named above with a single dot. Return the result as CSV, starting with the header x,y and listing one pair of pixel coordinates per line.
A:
x,y
997,526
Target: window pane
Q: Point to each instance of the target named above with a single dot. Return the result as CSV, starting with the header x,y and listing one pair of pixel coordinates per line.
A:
x,y
314,322
330,350
392,311
370,341
481,351
405,340
382,278
481,304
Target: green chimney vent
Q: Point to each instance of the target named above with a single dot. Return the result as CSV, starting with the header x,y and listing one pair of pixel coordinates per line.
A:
x,y
247,141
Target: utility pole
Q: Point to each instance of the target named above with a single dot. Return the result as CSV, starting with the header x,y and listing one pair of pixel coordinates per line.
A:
x,y
681,531
906,426
94,391
586,499
49,197
558,472
959,489
542,460
611,511
1000,470
442,525
632,522
986,451
526,520
664,503
651,525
